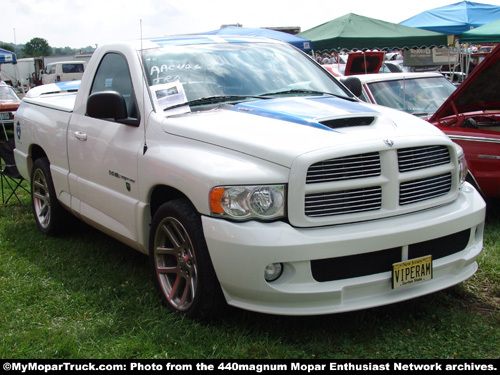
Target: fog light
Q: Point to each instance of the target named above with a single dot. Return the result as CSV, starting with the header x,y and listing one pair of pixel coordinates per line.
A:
x,y
273,271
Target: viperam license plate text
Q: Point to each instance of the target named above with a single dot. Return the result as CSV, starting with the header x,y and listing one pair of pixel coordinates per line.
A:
x,y
411,271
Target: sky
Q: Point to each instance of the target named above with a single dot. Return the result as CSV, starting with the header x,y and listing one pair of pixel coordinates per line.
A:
x,y
82,23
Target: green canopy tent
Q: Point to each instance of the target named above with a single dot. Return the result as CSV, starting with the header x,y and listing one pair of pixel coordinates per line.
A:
x,y
489,33
357,32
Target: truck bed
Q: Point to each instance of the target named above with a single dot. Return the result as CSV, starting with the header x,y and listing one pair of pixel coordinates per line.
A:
x,y
62,102
60,96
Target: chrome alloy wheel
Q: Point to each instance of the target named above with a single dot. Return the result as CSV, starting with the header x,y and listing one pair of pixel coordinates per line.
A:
x,y
175,263
41,198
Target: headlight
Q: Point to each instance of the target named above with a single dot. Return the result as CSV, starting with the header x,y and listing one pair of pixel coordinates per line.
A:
x,y
265,202
463,169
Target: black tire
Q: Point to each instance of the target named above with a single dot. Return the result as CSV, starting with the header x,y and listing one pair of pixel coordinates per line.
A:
x,y
50,216
182,269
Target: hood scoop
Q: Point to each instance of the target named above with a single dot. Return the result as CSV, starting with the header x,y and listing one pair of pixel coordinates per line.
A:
x,y
348,122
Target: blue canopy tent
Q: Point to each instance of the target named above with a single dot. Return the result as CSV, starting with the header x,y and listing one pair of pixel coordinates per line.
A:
x,y
454,19
301,43
7,57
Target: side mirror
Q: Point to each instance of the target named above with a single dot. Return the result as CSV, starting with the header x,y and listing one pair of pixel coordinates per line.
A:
x,y
109,105
354,85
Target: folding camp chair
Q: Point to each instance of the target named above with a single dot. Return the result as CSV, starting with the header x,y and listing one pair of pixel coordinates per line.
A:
x,y
11,180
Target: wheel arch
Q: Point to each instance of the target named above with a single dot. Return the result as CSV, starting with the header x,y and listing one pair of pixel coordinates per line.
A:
x,y
161,194
35,152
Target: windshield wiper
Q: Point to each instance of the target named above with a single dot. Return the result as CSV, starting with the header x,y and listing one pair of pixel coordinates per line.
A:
x,y
305,91
295,91
215,99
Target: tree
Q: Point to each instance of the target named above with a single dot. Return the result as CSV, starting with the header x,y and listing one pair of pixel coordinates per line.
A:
x,y
63,51
37,47
8,47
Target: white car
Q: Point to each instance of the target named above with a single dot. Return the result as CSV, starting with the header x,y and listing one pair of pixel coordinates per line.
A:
x,y
420,94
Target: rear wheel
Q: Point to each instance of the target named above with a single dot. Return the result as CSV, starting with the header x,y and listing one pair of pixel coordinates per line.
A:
x,y
51,217
181,265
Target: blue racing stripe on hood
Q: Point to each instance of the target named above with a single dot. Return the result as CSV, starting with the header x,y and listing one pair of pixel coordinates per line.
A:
x,y
305,110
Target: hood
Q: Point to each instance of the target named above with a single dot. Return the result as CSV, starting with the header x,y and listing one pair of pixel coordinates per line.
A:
x,y
478,92
279,130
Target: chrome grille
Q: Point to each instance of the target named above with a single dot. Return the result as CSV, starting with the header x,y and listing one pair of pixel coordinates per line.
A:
x,y
343,202
376,184
410,159
423,189
344,168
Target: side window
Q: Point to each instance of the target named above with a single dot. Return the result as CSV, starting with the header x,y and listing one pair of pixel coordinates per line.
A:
x,y
72,68
113,74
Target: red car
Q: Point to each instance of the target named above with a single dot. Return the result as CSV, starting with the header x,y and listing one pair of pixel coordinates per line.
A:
x,y
9,102
470,115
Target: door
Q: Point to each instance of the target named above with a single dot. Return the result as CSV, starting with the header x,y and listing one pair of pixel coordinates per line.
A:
x,y
103,157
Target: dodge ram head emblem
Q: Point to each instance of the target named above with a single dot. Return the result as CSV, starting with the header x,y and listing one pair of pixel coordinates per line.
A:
x,y
389,142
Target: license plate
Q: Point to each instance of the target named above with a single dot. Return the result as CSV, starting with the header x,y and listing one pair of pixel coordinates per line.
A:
x,y
411,271
4,115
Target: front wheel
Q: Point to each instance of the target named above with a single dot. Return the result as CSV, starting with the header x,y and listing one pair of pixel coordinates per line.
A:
x,y
181,265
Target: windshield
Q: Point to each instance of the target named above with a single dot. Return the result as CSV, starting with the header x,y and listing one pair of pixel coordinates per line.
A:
x,y
235,70
418,96
7,94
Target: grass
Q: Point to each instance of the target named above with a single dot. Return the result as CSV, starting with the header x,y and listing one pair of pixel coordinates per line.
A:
x,y
85,295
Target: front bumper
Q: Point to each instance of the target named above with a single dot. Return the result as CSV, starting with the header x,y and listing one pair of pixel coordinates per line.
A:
x,y
241,251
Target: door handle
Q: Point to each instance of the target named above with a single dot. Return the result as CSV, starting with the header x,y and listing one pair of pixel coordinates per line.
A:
x,y
81,136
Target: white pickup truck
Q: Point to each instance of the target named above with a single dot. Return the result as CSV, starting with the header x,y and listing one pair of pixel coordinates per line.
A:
x,y
251,177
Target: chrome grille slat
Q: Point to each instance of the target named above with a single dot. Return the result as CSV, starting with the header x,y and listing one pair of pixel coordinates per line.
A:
x,y
343,202
345,168
410,159
423,189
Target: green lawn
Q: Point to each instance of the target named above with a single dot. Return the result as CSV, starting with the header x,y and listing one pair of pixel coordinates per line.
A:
x,y
85,295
